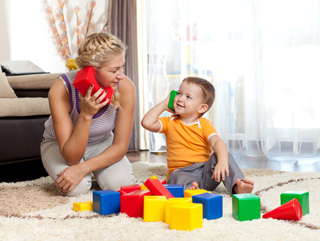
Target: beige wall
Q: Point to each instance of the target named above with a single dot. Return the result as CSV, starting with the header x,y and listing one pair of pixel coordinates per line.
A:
x,y
25,32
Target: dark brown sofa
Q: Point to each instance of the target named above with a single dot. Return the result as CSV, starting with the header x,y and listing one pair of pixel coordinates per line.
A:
x,y
24,108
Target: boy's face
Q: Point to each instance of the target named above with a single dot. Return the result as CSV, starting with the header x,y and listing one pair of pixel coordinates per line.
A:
x,y
189,101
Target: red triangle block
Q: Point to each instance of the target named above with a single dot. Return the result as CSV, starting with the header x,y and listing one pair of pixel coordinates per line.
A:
x,y
289,211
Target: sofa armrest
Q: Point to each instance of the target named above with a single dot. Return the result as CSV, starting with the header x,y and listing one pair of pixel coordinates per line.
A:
x,y
35,85
32,81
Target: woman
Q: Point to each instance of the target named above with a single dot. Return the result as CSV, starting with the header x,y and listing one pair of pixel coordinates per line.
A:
x,y
78,137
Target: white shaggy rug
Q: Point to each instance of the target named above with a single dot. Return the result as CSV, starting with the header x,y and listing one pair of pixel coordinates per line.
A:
x,y
33,210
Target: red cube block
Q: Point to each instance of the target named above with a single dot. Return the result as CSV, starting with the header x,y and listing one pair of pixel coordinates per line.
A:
x,y
130,188
86,77
132,203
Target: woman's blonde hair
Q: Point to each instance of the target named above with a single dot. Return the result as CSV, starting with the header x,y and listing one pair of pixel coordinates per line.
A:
x,y
97,50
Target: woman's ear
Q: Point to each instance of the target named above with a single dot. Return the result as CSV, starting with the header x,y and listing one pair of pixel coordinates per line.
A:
x,y
203,108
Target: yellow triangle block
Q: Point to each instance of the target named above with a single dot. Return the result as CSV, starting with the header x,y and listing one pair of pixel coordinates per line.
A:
x,y
143,187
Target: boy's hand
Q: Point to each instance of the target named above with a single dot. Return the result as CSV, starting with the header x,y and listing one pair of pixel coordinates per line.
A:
x,y
150,121
220,170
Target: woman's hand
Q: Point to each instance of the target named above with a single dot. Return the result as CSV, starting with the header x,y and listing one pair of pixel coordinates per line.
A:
x,y
90,105
69,178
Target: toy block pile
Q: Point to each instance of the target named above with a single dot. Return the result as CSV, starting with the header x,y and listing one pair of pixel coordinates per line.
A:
x,y
157,201
185,209
294,204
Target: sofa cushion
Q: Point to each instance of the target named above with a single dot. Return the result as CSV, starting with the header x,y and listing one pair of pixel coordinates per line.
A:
x,y
5,89
24,107
34,81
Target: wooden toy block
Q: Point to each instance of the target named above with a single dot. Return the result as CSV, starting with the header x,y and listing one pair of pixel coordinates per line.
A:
x,y
175,189
157,188
186,216
130,188
132,203
302,196
190,193
106,202
245,206
86,77
288,211
173,201
143,187
83,206
154,208
212,205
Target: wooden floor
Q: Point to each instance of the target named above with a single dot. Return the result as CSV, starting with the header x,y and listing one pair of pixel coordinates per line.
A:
x,y
291,164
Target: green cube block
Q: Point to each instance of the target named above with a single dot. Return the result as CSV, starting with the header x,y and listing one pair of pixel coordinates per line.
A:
x,y
245,207
302,196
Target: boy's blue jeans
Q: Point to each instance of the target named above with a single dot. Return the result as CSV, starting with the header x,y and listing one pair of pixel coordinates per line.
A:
x,y
202,173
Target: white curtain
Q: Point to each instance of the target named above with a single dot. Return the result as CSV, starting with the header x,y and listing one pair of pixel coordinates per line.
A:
x,y
263,57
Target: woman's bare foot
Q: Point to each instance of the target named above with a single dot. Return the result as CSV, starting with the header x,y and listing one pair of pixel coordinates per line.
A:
x,y
194,186
244,186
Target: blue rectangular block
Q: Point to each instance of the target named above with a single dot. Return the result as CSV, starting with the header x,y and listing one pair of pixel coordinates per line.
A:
x,y
106,202
175,189
212,205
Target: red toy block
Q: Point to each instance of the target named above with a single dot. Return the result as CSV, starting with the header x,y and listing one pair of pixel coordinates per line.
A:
x,y
164,182
130,188
289,211
121,192
86,77
132,203
157,188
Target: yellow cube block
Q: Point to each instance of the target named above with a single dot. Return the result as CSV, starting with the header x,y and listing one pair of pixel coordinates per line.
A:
x,y
190,193
143,187
186,216
154,208
173,201
83,206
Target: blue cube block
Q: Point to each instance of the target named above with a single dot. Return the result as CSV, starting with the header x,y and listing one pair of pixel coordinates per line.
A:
x,y
175,189
106,202
212,205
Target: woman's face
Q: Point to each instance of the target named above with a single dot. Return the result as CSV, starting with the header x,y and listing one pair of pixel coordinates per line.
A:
x,y
111,73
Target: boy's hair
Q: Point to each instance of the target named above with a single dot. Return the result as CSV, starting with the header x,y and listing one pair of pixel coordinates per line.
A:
x,y
208,91
97,50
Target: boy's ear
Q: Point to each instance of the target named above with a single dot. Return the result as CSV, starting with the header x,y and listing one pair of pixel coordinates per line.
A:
x,y
203,108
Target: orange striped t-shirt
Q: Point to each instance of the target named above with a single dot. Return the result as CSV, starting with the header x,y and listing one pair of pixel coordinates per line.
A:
x,y
186,143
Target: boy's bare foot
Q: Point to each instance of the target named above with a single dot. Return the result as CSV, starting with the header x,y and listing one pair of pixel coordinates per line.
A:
x,y
244,186
194,186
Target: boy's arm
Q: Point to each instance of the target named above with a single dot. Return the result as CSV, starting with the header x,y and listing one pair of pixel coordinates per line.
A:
x,y
221,151
150,120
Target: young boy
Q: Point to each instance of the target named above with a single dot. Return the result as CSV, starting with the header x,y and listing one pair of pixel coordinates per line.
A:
x,y
190,138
